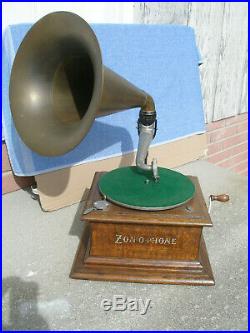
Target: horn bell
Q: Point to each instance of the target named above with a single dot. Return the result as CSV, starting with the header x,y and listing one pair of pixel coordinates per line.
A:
x,y
58,85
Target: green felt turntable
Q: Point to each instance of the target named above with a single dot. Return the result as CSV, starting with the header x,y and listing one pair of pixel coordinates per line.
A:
x,y
134,188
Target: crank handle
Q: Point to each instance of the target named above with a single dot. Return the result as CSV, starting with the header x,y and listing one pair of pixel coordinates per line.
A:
x,y
219,197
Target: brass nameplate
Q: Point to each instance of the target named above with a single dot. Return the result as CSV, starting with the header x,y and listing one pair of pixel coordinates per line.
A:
x,y
121,239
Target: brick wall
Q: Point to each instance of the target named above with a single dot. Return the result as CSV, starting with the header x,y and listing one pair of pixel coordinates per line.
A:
x,y
10,182
227,147
227,143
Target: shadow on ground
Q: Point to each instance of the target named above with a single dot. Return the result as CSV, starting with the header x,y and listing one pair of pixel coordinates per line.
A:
x,y
19,298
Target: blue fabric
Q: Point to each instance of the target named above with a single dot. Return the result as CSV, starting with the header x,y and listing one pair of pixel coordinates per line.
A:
x,y
160,59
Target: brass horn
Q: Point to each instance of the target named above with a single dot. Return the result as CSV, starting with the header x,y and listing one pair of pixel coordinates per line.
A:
x,y
59,85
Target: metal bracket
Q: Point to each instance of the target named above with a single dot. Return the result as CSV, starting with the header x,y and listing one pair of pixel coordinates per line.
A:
x,y
146,135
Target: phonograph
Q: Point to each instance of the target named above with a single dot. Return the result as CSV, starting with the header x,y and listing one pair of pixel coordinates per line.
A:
x,y
145,221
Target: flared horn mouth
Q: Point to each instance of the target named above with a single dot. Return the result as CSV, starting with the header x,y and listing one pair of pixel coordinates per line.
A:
x,y
59,85
56,83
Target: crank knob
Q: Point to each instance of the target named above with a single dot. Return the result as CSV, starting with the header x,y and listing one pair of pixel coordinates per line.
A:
x,y
220,197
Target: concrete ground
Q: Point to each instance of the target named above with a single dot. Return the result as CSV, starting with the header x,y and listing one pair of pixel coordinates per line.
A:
x,y
38,251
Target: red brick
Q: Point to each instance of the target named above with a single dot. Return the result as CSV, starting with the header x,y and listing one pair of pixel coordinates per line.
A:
x,y
221,134
239,148
220,146
224,154
5,159
11,183
234,160
242,127
216,158
215,147
227,143
236,119
235,140
215,125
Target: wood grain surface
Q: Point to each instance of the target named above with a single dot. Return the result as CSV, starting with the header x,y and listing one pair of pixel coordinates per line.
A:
x,y
122,244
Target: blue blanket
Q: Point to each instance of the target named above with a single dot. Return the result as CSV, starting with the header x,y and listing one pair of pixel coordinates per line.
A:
x,y
160,59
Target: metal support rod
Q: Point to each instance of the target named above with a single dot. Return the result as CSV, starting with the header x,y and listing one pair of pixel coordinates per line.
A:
x,y
146,130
